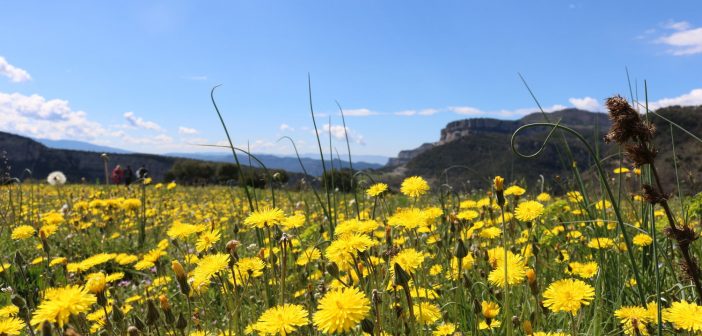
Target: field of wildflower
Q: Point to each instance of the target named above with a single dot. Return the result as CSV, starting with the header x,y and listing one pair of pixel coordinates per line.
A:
x,y
167,259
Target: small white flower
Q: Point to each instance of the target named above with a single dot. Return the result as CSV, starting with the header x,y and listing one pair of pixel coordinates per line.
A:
x,y
56,178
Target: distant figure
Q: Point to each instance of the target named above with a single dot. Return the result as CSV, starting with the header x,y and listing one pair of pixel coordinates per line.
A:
x,y
142,172
117,175
128,176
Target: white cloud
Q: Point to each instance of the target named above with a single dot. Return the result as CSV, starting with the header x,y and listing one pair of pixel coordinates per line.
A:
x,y
12,72
337,132
677,25
423,112
182,130
465,110
286,127
361,112
685,40
586,103
504,113
691,98
141,123
48,119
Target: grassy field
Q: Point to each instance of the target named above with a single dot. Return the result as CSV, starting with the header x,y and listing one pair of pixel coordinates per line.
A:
x,y
164,259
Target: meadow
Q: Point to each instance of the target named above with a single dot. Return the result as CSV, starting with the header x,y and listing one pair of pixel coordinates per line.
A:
x,y
615,257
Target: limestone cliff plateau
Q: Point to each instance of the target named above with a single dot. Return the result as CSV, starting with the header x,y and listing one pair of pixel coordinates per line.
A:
x,y
474,149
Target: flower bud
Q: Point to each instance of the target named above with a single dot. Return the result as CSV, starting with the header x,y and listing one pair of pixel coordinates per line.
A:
x,y
402,278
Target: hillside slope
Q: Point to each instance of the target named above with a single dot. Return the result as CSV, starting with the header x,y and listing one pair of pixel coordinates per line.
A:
x,y
476,149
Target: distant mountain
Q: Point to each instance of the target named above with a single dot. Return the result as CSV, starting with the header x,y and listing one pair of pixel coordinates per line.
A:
x,y
24,153
81,146
287,163
474,150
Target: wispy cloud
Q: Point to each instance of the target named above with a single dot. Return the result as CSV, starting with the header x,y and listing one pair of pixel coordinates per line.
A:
x,y
586,103
12,72
286,128
683,40
39,117
338,132
692,98
139,122
182,130
361,112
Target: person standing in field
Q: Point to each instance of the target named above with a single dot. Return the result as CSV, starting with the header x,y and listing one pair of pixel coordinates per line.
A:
x,y
117,175
142,172
128,176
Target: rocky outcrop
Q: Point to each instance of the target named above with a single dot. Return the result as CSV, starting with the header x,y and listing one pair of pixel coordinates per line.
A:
x,y
407,155
460,128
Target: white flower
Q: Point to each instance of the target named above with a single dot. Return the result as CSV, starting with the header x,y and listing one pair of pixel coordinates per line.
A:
x,y
56,178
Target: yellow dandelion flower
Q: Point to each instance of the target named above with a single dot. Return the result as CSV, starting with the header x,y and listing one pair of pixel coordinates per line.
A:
x,y
308,255
642,239
265,216
281,320
182,231
11,326
528,211
514,191
684,315
633,319
427,313
414,186
568,295
600,243
60,303
207,239
23,232
446,329
207,267
341,310
376,189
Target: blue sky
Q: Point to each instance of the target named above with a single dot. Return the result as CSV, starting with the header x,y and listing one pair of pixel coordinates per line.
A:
x,y
137,74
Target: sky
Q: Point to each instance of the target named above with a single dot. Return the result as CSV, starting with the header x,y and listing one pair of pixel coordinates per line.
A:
x,y
137,75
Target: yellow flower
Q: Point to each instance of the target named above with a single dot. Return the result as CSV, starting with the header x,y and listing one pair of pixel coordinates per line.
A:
x,y
181,231
528,211
409,259
341,249
307,256
96,282
207,239
171,186
264,217
341,310
11,326
568,295
543,197
355,226
251,267
516,271
584,270
490,309
621,170
600,243
60,303
426,313
9,310
281,320
446,329
23,232
295,221
633,319
684,315
377,189
642,239
483,325
498,183
515,191
414,186
207,267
